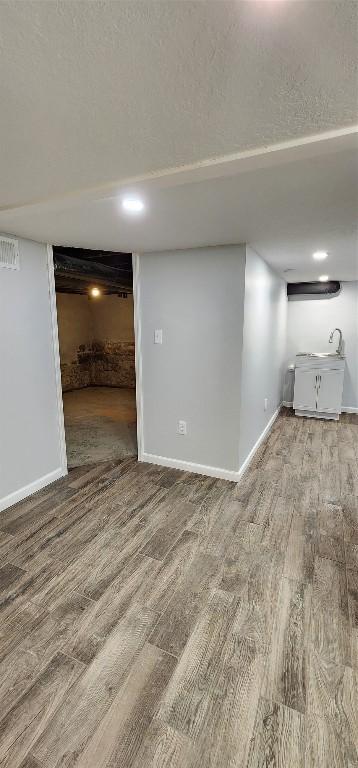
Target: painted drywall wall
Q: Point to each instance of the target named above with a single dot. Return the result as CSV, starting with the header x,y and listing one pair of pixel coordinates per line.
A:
x,y
263,356
197,298
310,322
29,427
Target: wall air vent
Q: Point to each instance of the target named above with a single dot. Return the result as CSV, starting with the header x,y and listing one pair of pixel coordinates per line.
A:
x,y
9,253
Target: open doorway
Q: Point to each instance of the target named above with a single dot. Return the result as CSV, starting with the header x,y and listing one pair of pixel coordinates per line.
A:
x,y
94,296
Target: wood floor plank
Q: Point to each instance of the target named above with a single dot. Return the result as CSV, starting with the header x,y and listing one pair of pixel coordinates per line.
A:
x,y
213,694
286,670
24,723
300,551
279,737
15,630
71,727
255,578
120,734
352,583
166,535
333,696
324,746
89,635
330,629
177,621
25,588
164,747
9,575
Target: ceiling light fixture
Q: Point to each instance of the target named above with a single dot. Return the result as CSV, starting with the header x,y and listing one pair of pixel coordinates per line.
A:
x,y
320,255
132,204
323,278
95,292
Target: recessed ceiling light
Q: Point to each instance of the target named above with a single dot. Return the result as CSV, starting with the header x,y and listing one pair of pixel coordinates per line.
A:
x,y
132,204
320,255
95,292
323,278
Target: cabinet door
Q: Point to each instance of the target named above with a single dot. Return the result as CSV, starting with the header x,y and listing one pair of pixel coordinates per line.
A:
x,y
330,387
305,397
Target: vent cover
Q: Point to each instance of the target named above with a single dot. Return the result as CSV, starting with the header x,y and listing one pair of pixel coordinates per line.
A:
x,y
9,253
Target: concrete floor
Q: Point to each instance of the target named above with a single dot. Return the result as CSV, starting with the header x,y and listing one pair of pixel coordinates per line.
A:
x,y
100,424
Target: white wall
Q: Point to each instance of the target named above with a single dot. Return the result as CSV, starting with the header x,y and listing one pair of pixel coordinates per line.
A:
x,y
30,452
263,349
197,298
310,322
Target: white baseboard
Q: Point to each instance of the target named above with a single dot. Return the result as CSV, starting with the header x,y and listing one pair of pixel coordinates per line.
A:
x,y
202,469
187,466
31,488
255,448
345,408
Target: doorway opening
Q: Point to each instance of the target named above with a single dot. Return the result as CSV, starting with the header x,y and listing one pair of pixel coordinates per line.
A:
x,y
95,315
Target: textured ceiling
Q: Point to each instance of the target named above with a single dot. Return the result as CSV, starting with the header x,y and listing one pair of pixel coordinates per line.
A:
x,y
294,203
93,92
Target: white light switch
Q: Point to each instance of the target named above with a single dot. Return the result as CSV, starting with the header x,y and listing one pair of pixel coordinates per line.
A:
x,y
182,427
158,336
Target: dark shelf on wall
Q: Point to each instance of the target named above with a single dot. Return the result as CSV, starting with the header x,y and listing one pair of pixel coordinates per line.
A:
x,y
317,288
78,269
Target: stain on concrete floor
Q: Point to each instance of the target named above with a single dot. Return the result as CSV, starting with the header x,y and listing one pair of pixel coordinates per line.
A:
x,y
100,424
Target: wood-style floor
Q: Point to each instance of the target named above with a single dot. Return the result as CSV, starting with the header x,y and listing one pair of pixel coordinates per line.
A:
x,y
151,617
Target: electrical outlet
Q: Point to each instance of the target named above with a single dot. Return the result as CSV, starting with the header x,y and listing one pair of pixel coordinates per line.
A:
x,y
265,404
158,336
181,427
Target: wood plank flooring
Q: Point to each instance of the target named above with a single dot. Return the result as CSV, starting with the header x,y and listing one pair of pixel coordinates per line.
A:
x,y
151,618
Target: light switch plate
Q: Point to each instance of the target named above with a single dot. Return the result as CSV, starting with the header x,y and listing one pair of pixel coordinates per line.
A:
x,y
158,336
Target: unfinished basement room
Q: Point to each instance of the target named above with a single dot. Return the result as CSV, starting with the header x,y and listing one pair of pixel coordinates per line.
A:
x,y
94,299
179,384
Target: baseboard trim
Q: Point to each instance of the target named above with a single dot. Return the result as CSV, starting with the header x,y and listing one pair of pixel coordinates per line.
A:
x,y
260,440
28,490
202,469
345,408
188,466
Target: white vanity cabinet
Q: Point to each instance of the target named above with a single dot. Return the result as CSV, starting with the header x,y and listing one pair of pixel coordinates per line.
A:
x,y
318,386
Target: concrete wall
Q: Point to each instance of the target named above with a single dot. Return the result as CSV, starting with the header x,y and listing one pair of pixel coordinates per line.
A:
x,y
30,454
264,342
96,341
113,318
310,322
197,298
75,324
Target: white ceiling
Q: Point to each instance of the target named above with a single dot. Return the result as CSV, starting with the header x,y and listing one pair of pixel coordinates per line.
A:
x,y
100,91
105,97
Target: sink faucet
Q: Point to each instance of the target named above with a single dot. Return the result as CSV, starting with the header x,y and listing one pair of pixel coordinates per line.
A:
x,y
340,343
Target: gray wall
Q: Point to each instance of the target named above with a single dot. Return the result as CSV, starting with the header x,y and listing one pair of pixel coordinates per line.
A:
x,y
197,298
29,432
309,324
263,349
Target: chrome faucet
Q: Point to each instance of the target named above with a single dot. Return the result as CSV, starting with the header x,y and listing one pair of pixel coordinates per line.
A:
x,y
340,343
